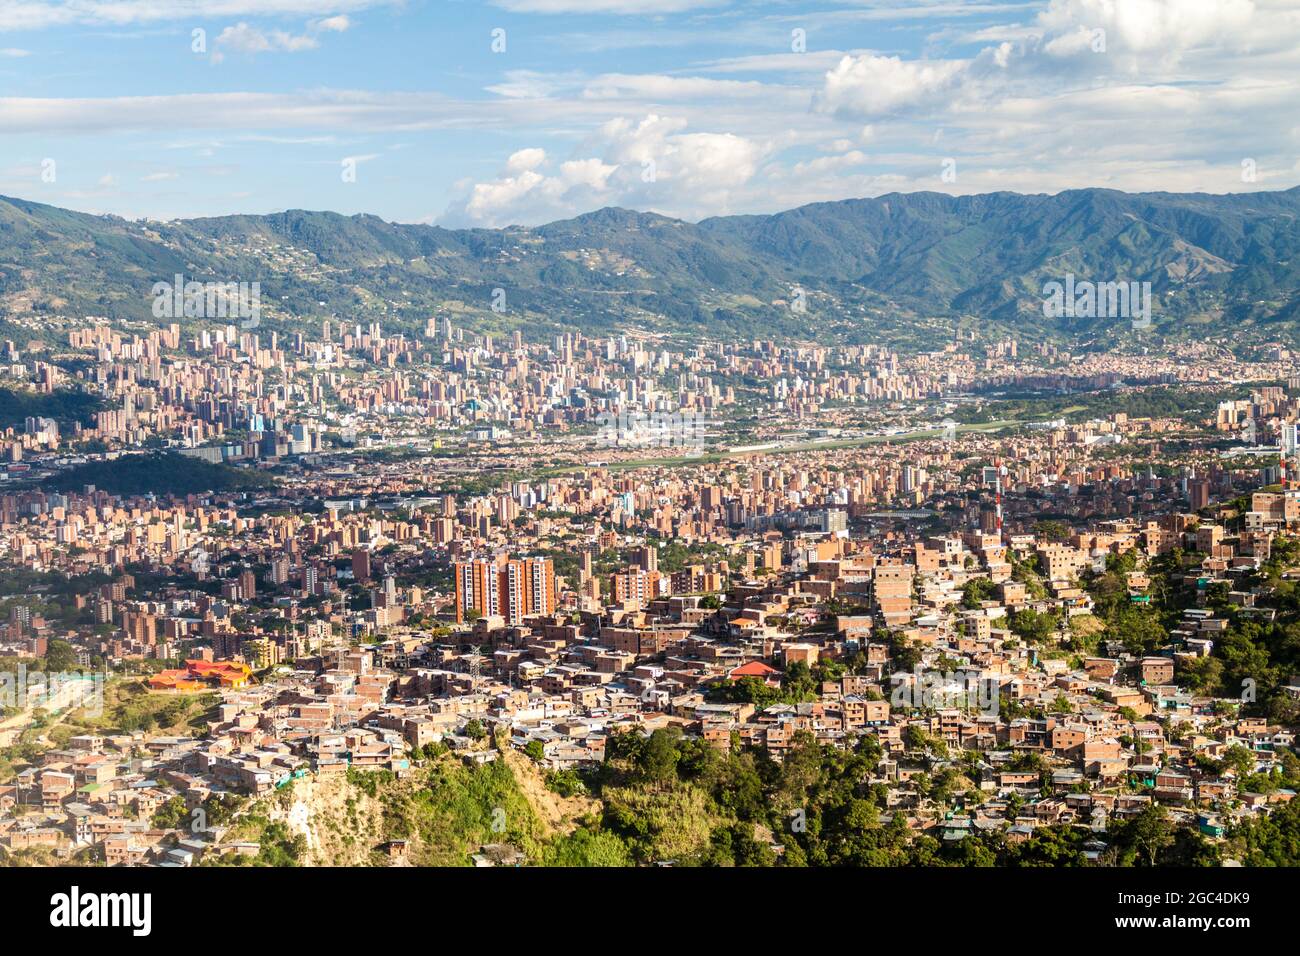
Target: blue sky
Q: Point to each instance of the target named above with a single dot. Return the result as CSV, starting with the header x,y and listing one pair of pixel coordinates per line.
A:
x,y
687,107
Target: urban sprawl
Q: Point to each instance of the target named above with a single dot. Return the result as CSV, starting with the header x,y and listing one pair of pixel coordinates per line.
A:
x,y
341,595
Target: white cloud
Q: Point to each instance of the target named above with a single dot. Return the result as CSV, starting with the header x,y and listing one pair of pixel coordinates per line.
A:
x,y
652,7
524,194
870,85
641,142
830,164
489,201
43,14
14,52
530,84
651,163
658,87
1081,39
1161,28
340,110
1184,90
1149,49
332,24
704,161
525,160
813,61
586,172
241,38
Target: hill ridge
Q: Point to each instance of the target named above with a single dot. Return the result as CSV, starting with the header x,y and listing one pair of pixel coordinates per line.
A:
x,y
869,267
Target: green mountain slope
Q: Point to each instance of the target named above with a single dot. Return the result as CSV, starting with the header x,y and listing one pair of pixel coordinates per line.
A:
x,y
870,268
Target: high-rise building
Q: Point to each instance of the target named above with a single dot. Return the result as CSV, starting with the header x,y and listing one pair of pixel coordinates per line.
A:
x,y
512,589
361,565
647,558
390,591
636,587
280,567
476,588
310,579
261,653
1290,438
1198,491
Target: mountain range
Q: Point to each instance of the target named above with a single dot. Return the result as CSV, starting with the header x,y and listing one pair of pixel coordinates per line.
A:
x,y
893,268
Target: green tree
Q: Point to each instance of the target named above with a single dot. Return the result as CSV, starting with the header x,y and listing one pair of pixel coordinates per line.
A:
x,y
660,756
1143,839
171,814
59,656
586,848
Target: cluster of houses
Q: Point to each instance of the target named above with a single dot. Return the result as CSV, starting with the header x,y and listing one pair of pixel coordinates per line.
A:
x,y
1055,730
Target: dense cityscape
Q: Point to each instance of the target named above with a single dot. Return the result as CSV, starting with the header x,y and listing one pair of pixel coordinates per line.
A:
x,y
404,599
465,463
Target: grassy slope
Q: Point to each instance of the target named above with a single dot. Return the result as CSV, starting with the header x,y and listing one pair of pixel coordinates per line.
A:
x,y
444,809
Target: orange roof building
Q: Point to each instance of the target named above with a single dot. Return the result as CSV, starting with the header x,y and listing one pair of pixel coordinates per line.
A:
x,y
769,675
199,674
174,680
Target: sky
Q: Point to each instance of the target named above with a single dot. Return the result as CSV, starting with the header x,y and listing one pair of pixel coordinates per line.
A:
x,y
499,112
